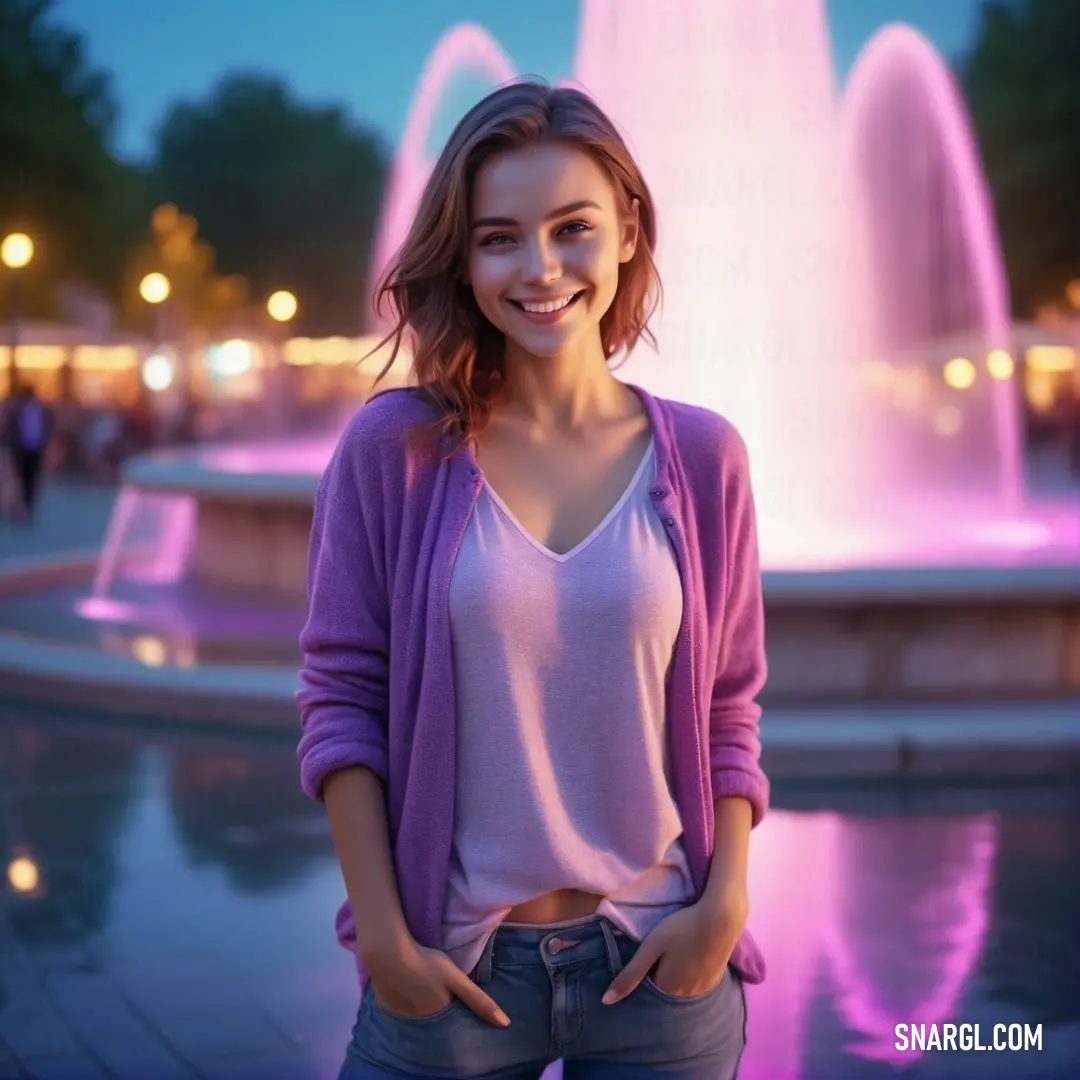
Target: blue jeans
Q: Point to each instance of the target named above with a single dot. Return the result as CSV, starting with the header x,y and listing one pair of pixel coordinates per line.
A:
x,y
549,980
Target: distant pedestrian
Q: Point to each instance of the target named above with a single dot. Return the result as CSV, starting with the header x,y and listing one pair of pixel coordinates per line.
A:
x,y
28,425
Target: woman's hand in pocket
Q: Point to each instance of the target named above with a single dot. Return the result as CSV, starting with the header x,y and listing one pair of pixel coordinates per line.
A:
x,y
690,951
414,981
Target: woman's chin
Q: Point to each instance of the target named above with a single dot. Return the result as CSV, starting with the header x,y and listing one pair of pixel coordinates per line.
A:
x,y
543,345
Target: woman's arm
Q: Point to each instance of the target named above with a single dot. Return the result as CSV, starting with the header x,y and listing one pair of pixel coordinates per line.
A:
x,y
734,714
344,678
344,684
356,807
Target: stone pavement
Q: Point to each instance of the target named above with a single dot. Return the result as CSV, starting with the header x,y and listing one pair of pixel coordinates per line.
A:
x,y
71,517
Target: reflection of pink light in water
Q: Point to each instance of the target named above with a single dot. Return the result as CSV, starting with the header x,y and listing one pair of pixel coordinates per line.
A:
x,y
909,919
791,875
910,146
100,608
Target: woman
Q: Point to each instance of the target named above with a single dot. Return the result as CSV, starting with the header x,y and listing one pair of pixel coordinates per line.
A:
x,y
535,642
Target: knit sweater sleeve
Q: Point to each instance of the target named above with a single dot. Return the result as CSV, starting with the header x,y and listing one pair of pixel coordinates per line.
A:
x,y
345,642
734,716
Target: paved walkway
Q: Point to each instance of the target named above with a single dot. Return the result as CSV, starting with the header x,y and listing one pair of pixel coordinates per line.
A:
x,y
71,517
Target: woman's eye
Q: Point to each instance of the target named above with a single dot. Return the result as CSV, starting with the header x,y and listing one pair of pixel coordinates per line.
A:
x,y
571,228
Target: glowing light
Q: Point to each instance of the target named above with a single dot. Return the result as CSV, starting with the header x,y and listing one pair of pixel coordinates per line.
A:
x,y
948,421
23,875
959,373
1072,293
910,389
104,609
1051,359
230,358
16,250
155,288
1039,390
104,357
158,372
148,650
41,357
281,306
1000,364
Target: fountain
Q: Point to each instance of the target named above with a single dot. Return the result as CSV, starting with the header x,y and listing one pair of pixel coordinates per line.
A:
x,y
823,253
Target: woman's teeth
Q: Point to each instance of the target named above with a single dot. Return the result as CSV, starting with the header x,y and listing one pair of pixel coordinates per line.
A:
x,y
548,306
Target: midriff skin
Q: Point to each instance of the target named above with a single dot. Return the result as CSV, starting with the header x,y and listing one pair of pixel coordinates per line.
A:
x,y
562,905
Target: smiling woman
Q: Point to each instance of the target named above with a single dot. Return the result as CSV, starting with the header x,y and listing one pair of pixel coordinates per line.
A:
x,y
581,610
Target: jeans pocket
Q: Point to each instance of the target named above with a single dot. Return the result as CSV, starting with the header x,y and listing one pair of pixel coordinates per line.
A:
x,y
677,999
400,1018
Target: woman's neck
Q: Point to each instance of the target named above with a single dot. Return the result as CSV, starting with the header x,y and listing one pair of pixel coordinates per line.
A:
x,y
562,392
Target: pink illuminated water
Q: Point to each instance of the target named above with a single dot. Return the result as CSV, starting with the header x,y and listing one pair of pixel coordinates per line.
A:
x,y
935,263
306,457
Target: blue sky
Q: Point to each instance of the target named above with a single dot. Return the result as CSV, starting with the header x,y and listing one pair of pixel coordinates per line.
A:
x,y
366,54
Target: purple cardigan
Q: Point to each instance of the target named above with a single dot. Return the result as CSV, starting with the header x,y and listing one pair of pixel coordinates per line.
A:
x,y
377,682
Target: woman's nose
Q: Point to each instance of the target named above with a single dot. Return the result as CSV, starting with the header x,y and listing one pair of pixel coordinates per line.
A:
x,y
541,263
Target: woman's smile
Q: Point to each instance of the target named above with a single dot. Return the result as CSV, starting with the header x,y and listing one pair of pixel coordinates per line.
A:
x,y
545,312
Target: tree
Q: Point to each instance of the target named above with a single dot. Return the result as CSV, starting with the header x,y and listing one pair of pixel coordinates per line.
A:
x,y
287,194
58,179
202,303
1022,82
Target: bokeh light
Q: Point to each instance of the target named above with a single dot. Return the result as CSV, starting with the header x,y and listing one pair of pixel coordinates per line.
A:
x,y
155,288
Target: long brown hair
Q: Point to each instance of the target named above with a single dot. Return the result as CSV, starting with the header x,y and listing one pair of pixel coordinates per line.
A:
x,y
458,356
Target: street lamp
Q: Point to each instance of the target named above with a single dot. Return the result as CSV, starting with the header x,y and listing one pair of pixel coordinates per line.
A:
x,y
16,251
155,288
281,306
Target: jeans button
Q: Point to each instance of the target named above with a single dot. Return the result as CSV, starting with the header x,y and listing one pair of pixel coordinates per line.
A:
x,y
555,946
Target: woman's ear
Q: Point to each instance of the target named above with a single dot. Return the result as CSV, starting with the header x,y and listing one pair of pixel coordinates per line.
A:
x,y
631,230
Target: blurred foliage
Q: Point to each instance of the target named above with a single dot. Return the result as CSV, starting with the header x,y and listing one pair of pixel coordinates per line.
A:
x,y
287,194
58,179
1022,82
201,301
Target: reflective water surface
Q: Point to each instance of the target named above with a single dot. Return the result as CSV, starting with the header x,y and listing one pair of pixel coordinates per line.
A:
x,y
169,905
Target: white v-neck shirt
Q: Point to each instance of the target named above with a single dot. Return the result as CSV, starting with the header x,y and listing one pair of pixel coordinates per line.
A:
x,y
560,668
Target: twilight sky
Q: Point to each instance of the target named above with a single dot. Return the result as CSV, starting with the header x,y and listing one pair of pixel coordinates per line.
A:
x,y
367,54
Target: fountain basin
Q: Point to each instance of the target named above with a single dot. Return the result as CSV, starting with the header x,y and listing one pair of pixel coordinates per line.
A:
x,y
252,516
992,615
835,639
846,698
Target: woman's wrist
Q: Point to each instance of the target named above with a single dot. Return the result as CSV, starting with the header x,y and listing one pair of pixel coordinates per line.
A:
x,y
384,946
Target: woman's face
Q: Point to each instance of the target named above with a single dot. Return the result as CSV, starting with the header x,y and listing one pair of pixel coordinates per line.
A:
x,y
545,245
